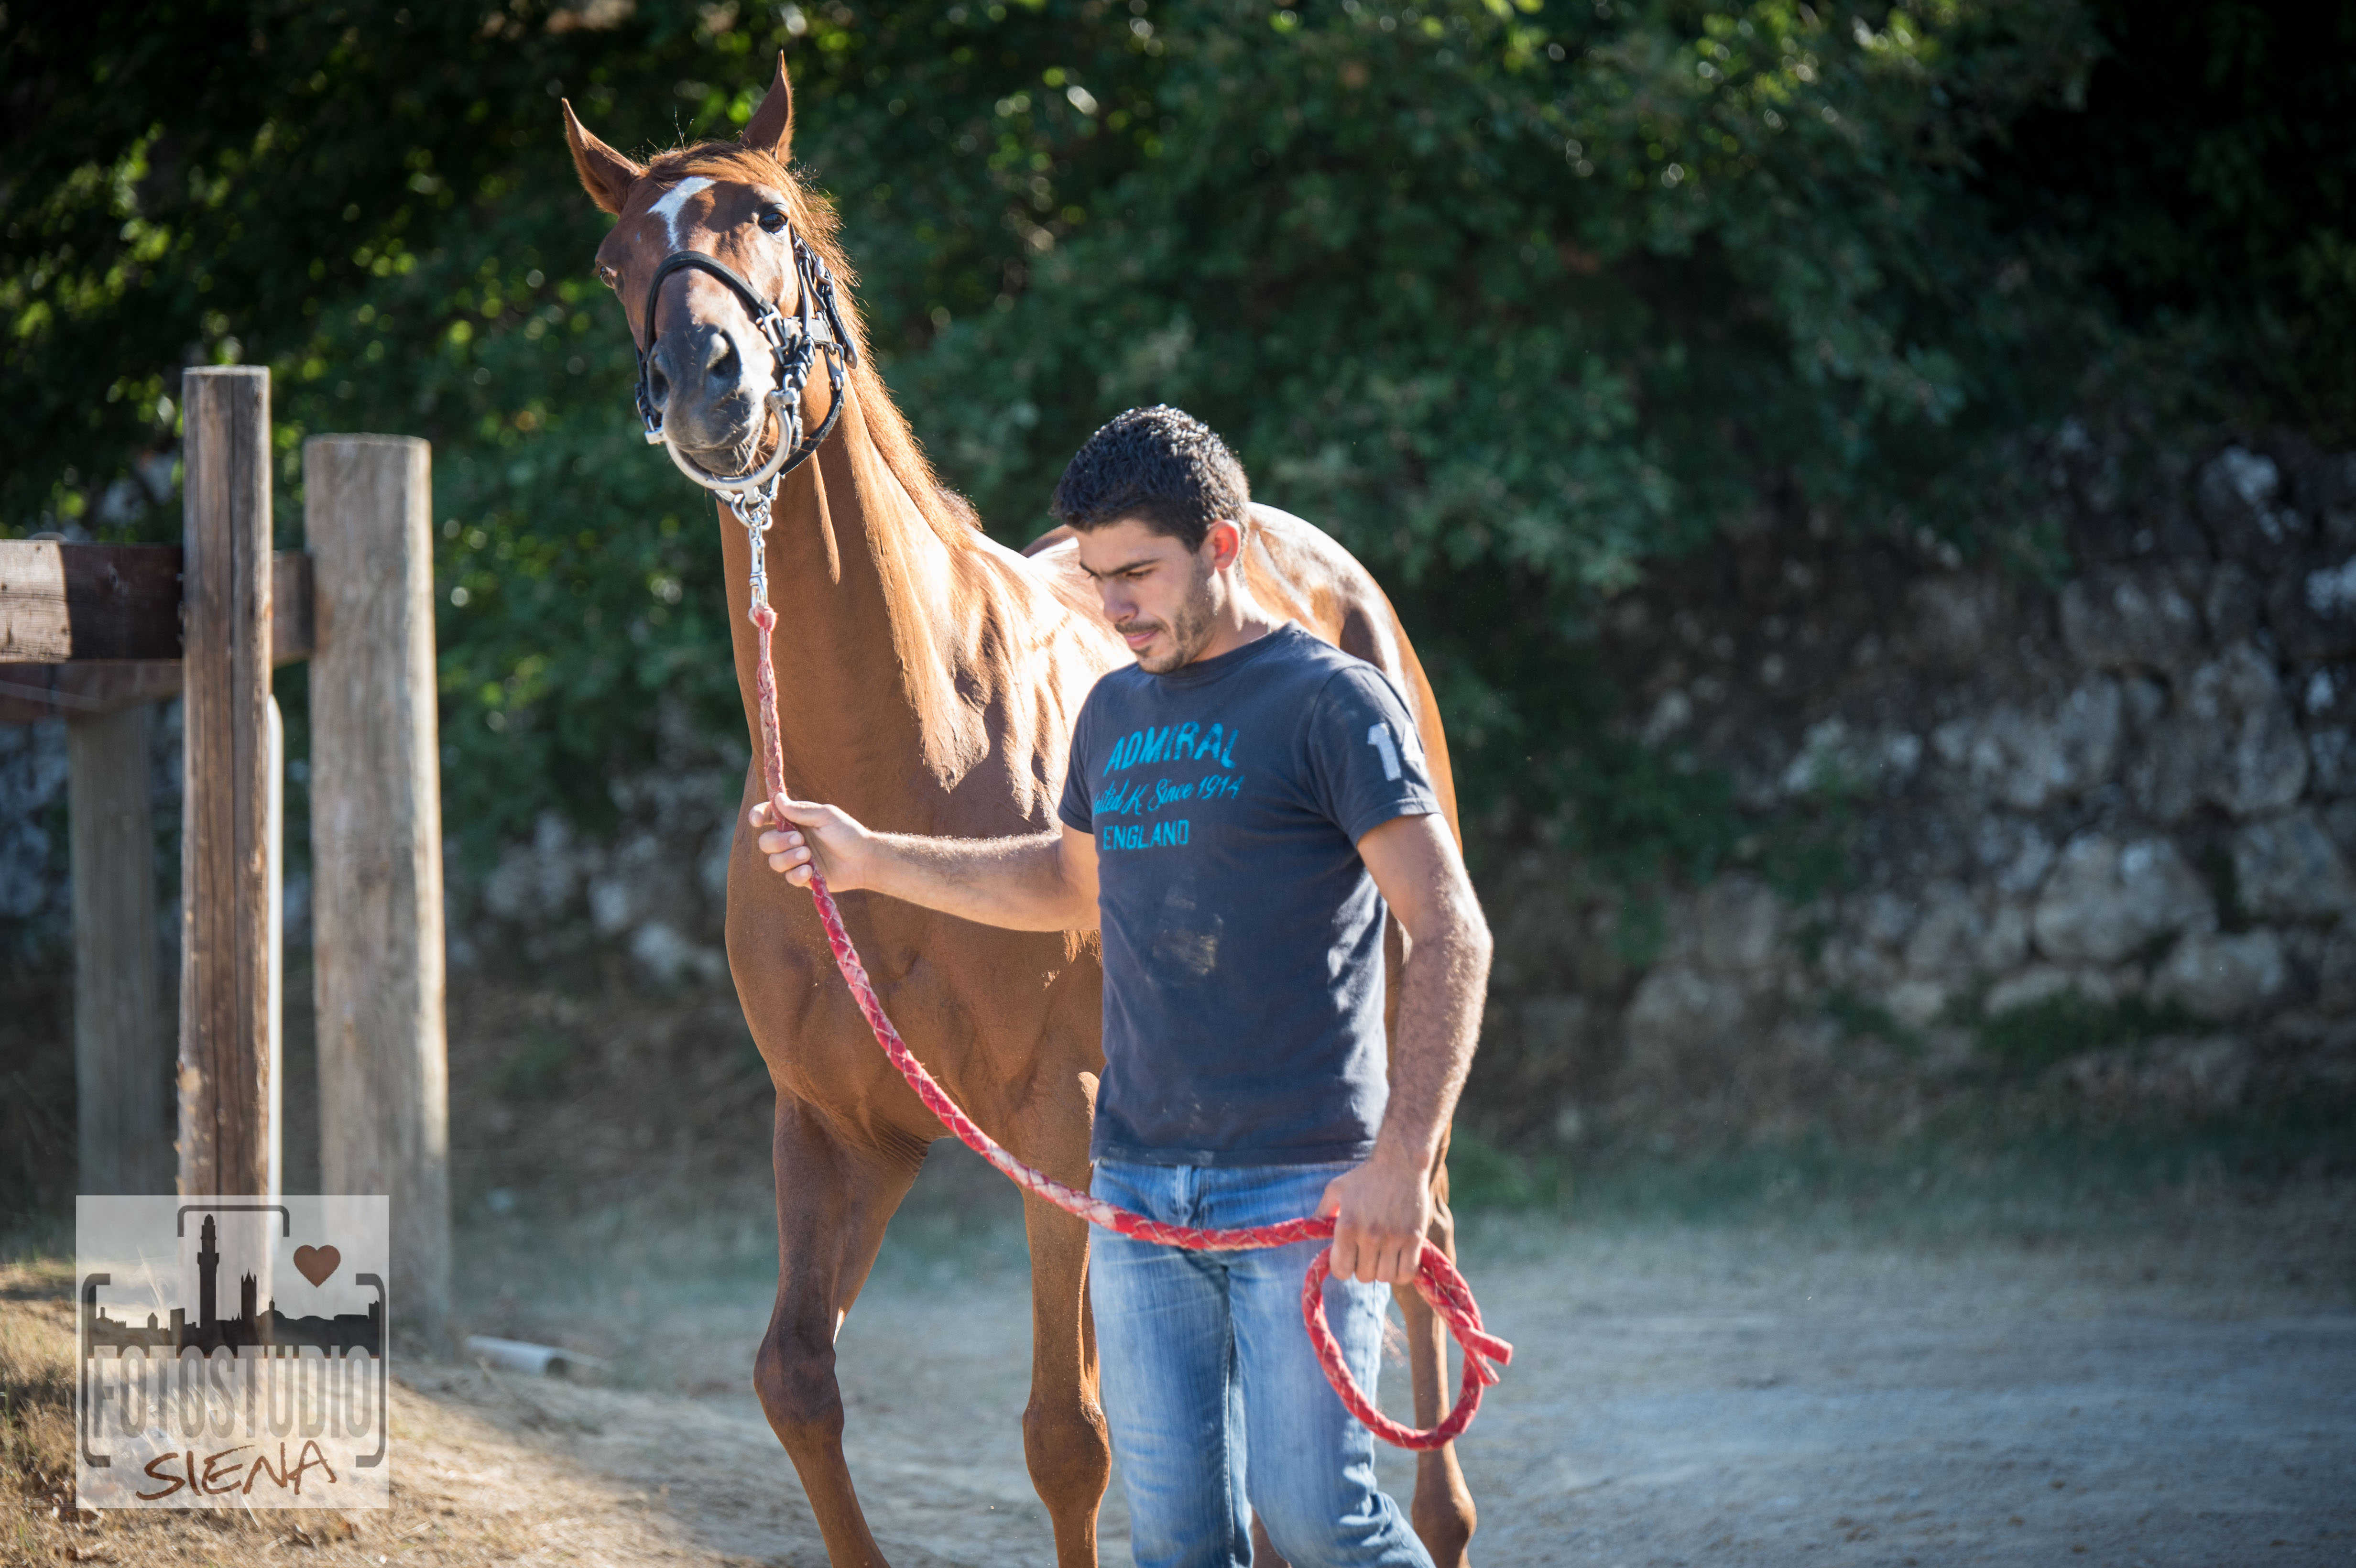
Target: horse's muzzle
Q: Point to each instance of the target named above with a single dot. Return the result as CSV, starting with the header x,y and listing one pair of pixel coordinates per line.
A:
x,y
696,379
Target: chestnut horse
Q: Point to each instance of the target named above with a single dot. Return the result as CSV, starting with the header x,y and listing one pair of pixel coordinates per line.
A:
x,y
928,680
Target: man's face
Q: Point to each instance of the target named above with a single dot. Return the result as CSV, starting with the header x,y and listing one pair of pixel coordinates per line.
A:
x,y
1158,594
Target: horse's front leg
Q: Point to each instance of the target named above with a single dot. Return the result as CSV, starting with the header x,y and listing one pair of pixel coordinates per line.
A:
x,y
1065,1439
1442,1511
834,1201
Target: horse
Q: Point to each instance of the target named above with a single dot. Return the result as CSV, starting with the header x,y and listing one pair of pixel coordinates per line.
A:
x,y
929,679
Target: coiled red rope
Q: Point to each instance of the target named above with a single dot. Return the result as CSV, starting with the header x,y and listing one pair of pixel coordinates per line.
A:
x,y
1436,1277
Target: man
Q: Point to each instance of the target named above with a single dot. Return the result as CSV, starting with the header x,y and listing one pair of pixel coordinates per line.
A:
x,y
1241,806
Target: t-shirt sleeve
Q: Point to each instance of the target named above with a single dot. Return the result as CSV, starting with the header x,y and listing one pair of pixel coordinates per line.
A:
x,y
1365,755
1074,807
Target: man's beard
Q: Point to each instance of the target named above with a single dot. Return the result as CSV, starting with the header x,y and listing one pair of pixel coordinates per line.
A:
x,y
1190,628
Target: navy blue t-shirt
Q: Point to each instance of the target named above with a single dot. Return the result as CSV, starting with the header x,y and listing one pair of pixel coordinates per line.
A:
x,y
1243,936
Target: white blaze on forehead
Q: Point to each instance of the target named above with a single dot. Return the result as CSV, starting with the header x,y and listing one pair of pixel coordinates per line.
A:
x,y
668,208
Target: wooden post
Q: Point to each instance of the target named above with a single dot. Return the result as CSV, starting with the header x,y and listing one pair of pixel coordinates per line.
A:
x,y
274,875
121,1062
376,852
227,961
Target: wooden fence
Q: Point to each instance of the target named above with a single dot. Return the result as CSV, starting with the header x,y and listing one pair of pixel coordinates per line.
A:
x,y
95,634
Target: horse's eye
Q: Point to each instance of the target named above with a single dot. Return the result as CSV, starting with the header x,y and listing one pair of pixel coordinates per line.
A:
x,y
610,278
773,221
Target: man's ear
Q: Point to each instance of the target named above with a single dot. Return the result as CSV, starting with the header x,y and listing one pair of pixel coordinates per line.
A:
x,y
1226,539
605,173
771,129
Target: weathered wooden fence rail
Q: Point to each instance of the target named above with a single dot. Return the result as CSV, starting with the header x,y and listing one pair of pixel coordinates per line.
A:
x,y
94,633
103,606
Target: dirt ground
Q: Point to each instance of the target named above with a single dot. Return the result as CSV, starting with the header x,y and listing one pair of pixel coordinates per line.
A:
x,y
2177,1389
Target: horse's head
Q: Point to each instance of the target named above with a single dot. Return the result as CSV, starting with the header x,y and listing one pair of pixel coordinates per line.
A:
x,y
711,370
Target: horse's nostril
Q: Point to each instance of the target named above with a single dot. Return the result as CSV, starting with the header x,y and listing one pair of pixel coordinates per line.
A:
x,y
721,364
657,384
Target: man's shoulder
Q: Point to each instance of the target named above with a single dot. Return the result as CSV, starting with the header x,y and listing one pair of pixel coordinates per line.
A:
x,y
1326,669
1304,676
1306,663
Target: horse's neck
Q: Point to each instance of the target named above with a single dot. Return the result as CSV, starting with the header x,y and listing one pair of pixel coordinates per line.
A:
x,y
869,601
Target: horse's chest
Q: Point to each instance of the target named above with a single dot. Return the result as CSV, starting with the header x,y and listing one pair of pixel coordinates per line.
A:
x,y
808,1024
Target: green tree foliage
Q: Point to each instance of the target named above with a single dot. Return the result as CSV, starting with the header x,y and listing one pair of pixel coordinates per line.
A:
x,y
1512,296
2205,179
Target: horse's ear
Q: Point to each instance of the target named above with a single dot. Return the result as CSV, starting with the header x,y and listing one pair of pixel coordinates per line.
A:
x,y
771,129
605,173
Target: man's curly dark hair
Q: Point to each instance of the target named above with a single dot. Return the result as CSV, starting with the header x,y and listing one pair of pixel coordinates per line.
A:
x,y
1160,465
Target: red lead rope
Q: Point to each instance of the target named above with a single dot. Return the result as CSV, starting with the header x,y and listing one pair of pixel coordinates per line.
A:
x,y
1436,1277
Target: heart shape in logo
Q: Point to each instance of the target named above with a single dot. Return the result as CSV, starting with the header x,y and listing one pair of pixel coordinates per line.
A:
x,y
315,1263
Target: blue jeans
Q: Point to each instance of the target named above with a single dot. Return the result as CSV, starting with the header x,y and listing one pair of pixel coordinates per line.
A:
x,y
1205,1362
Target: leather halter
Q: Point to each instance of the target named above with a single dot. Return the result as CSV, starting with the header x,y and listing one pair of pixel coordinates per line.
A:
x,y
795,341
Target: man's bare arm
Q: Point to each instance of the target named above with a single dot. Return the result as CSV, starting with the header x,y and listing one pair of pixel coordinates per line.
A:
x,y
1384,1207
1416,865
1042,881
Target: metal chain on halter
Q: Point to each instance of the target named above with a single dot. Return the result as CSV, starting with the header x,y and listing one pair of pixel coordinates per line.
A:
x,y
752,508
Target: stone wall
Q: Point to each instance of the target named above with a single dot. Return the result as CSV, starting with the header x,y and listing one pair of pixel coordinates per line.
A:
x,y
2121,808
651,893
654,892
36,875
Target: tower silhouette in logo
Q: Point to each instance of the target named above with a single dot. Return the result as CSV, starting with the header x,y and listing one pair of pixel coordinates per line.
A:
x,y
208,1263
253,1326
